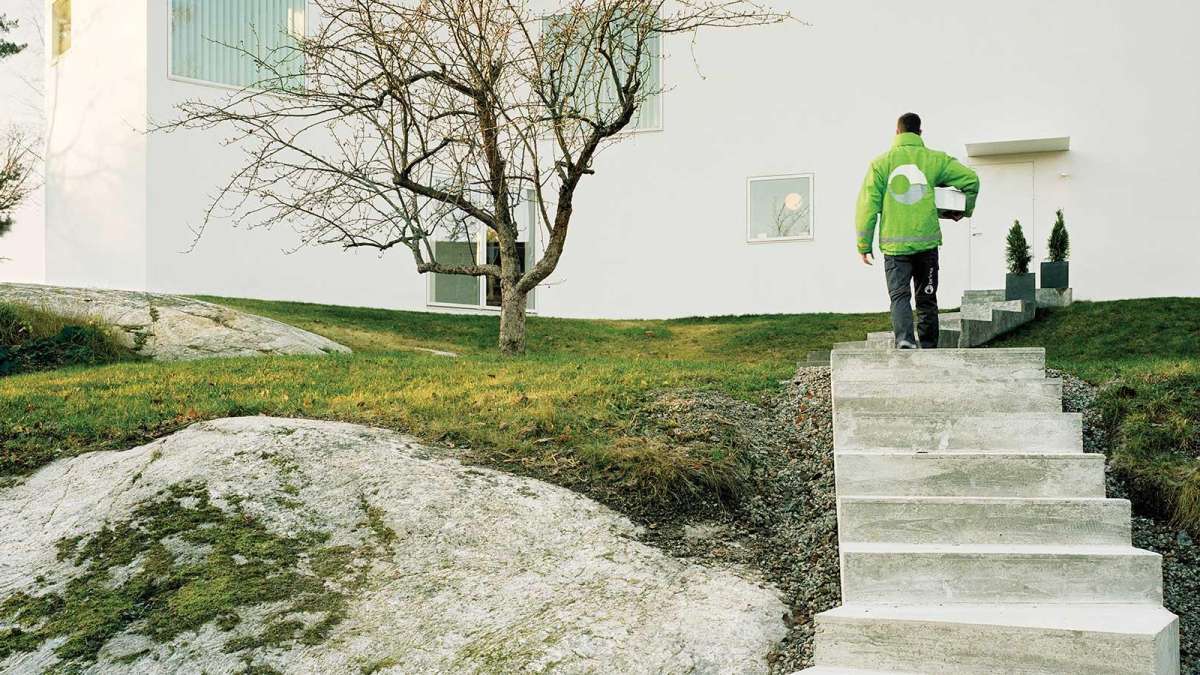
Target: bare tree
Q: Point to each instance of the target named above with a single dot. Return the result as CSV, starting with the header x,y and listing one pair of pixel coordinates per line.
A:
x,y
422,121
16,171
16,154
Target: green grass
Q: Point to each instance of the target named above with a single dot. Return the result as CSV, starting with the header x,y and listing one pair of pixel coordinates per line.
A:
x,y
570,411
1145,354
33,339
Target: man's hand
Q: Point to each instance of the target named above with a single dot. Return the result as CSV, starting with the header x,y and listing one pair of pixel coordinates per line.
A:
x,y
867,258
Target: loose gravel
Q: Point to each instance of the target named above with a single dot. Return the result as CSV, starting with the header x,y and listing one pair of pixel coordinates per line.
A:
x,y
786,529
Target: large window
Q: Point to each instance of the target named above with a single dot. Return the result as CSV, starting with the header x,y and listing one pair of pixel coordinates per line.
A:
x,y
779,208
238,43
465,249
591,82
60,29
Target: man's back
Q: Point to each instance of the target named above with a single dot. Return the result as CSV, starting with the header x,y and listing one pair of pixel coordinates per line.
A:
x,y
899,187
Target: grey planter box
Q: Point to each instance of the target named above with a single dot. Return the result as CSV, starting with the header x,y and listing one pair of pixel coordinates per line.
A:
x,y
1021,287
1056,274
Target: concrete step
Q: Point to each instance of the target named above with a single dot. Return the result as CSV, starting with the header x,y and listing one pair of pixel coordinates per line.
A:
x,y
949,335
884,339
989,295
1044,639
1005,573
976,520
982,311
837,670
871,474
940,365
954,396
1027,432
863,345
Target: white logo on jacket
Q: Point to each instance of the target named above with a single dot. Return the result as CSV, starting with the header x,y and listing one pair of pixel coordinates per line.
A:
x,y
907,184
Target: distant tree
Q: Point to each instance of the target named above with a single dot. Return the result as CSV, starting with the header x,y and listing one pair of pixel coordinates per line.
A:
x,y
8,47
16,154
436,120
1017,250
1059,245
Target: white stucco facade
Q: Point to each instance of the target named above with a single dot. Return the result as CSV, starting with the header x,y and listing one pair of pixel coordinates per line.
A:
x,y
660,230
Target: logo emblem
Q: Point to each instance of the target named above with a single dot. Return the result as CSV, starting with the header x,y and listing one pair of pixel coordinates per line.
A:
x,y
907,184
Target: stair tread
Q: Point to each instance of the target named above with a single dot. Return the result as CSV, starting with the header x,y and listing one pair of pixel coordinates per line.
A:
x,y
980,456
998,549
949,414
1102,618
837,670
884,499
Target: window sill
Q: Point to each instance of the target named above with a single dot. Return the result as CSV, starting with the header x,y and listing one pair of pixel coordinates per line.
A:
x,y
482,309
779,240
230,87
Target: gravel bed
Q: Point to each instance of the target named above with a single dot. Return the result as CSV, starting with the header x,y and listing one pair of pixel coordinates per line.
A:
x,y
786,529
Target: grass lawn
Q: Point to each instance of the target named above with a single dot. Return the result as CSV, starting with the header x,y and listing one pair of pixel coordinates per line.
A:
x,y
570,411
1146,356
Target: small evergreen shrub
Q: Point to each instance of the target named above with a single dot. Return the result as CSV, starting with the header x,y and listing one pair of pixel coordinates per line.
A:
x,y
1017,251
33,339
1059,245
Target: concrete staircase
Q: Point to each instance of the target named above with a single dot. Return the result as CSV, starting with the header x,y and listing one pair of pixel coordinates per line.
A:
x,y
974,532
984,316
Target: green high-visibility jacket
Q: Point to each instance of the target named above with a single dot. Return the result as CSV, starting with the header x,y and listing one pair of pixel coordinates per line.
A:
x,y
898,192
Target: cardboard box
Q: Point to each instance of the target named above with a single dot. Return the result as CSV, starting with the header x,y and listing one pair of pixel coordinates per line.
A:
x,y
949,201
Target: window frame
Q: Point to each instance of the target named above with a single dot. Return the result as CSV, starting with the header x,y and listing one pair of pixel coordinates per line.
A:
x,y
659,97
220,85
55,54
812,208
480,239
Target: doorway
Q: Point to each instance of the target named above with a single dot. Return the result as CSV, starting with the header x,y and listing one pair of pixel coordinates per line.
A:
x,y
1006,194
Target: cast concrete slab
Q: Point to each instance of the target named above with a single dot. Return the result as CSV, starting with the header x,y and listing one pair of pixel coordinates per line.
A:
x,y
1028,432
999,574
937,365
982,520
1031,638
959,395
969,475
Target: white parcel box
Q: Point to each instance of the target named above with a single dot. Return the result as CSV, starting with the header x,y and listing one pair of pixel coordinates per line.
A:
x,y
949,201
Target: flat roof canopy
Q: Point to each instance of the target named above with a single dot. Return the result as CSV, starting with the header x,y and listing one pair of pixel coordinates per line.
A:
x,y
1021,146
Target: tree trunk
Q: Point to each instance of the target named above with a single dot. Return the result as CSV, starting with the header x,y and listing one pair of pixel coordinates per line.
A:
x,y
512,319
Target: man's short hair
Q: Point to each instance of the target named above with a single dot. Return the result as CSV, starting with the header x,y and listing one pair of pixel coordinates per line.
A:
x,y
909,123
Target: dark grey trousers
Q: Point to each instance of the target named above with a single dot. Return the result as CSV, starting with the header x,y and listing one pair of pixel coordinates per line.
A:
x,y
906,273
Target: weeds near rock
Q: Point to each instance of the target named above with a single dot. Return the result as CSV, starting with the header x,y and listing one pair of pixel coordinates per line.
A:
x,y
183,562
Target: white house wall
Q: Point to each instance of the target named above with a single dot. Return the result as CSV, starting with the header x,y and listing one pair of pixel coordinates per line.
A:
x,y
96,149
22,106
660,230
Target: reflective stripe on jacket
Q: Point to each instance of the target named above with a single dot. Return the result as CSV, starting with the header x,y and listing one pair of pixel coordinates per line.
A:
x,y
898,192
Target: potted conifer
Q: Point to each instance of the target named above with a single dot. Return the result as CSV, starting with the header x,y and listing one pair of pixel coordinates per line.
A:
x,y
1020,284
1056,271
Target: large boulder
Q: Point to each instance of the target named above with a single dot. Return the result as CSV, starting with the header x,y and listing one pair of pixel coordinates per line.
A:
x,y
172,327
321,547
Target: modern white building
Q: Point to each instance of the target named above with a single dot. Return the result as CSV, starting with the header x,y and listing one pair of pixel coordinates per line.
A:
x,y
1085,106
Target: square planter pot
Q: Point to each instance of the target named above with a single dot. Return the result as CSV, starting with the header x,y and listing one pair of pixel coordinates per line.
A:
x,y
1021,287
1056,274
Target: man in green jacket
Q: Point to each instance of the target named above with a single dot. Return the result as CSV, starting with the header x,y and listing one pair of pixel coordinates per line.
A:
x,y
898,192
